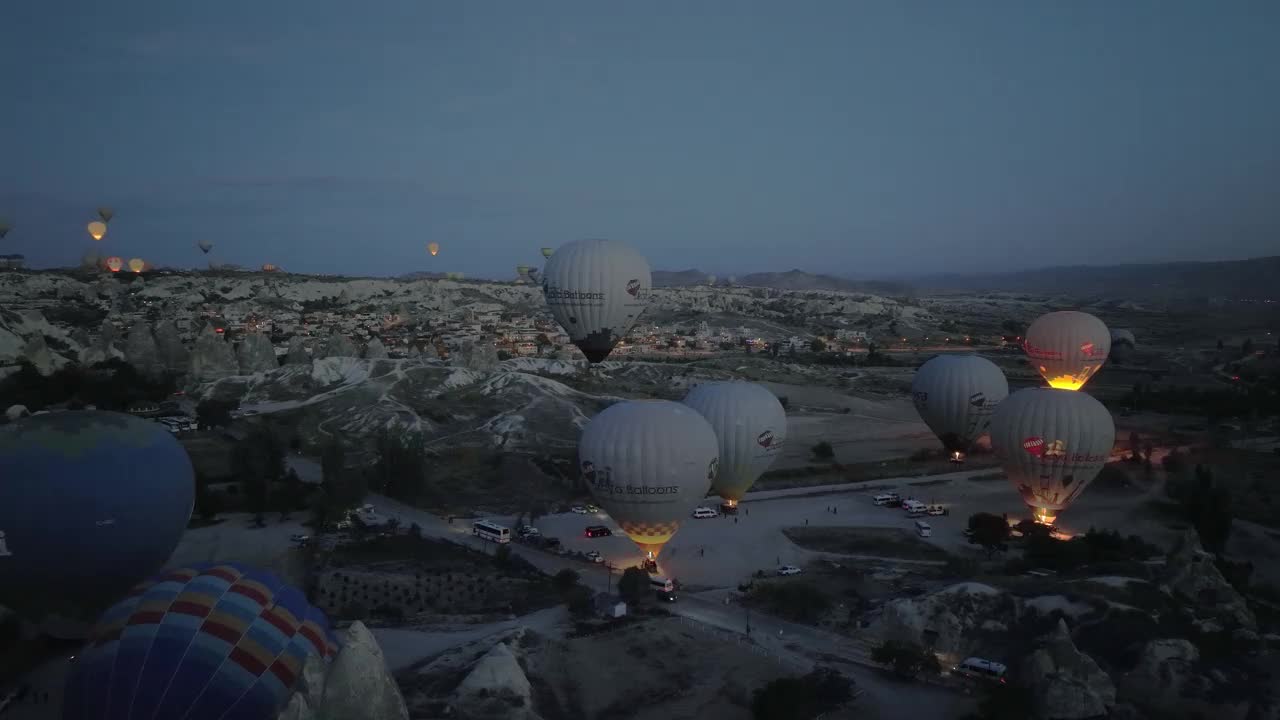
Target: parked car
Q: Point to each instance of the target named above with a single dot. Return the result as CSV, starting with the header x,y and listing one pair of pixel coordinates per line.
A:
x,y
789,570
579,509
592,508
665,595
887,500
939,510
551,543
528,531
593,531
595,557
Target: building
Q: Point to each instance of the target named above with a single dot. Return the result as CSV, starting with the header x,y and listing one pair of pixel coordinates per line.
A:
x,y
609,606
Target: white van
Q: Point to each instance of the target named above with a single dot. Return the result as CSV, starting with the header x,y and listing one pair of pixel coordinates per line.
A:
x,y
923,529
702,513
979,668
886,498
493,532
661,584
915,508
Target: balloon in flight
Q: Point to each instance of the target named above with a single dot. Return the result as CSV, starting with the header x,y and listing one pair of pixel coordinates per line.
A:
x,y
205,246
4,228
547,252
751,428
596,290
106,214
1067,347
206,641
136,265
114,264
91,502
711,279
97,229
955,396
433,248
1052,443
268,267
648,463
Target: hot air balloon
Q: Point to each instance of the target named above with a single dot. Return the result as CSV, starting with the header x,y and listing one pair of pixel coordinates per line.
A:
x,y
1052,444
97,229
433,248
596,290
268,267
136,265
91,502
114,264
955,396
206,641
205,246
711,279
1067,347
106,214
733,279
547,252
751,427
648,463
4,228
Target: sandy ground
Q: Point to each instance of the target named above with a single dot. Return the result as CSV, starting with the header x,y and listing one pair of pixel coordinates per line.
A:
x,y
236,540
404,648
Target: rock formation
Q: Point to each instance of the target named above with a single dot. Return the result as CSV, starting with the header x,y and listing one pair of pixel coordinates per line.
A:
x,y
497,683
358,684
1168,683
1192,578
375,350
171,352
946,621
480,356
141,350
36,352
256,354
1065,683
339,345
429,352
104,347
297,354
212,358
415,353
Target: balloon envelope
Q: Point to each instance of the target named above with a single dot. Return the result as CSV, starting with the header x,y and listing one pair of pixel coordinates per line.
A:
x,y
955,396
136,265
547,252
97,229
1067,347
215,641
91,502
433,248
1052,443
205,246
648,463
596,290
114,264
751,428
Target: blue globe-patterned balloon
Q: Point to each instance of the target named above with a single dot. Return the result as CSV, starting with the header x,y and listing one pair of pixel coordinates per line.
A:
x,y
207,642
91,502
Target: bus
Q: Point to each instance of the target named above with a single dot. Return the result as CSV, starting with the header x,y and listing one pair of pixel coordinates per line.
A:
x,y
491,531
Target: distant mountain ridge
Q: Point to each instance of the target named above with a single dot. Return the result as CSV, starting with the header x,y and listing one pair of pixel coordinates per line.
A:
x,y
794,279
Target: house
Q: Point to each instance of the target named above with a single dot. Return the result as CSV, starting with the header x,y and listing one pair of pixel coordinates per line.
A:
x,y
609,606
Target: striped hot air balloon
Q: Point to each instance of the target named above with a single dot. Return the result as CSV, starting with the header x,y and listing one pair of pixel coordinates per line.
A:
x,y
202,642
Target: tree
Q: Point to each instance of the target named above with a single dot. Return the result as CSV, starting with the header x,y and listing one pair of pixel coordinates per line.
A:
x,y
215,413
823,450
907,660
801,698
567,579
259,464
817,346
578,598
989,531
633,584
1005,702
401,468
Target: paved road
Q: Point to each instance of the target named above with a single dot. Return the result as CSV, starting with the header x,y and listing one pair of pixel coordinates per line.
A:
x,y
800,645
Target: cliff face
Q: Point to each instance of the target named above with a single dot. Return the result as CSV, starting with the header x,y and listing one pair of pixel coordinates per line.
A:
x,y
480,356
257,354
211,358
339,345
375,350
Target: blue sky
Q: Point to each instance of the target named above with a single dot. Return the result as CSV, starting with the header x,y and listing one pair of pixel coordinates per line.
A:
x,y
856,137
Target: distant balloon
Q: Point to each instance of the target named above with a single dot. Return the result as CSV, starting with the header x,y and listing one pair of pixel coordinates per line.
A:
x,y
114,264
205,246
91,502
547,252
1067,347
97,229
751,427
648,463
106,214
1052,443
207,641
268,267
4,228
711,279
955,396
733,279
596,290
433,248
136,265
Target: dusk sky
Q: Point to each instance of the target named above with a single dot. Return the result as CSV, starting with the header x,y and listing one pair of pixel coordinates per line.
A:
x,y
844,136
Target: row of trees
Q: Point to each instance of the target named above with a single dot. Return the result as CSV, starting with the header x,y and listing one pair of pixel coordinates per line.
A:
x,y
111,385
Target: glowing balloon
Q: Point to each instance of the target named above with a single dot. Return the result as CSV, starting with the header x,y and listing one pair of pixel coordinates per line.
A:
x,y
1052,443
433,248
205,246
596,290
547,252
955,396
136,265
751,428
268,267
97,229
711,279
91,503
648,463
207,641
4,228
114,264
1067,347
106,214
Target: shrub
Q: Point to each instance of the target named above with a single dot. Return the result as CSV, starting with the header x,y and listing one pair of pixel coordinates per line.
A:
x,y
907,659
823,450
801,698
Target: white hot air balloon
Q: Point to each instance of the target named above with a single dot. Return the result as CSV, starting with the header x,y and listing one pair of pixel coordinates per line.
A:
x,y
955,396
711,279
648,463
1067,347
1052,443
596,290
751,426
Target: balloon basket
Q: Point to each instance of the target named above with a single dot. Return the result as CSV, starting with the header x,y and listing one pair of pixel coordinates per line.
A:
x,y
729,508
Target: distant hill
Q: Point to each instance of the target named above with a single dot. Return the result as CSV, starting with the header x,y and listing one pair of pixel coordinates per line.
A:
x,y
790,280
1244,279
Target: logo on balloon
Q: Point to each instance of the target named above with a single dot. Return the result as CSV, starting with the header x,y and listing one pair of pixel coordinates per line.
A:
x,y
1034,445
978,399
633,287
765,439
1057,448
